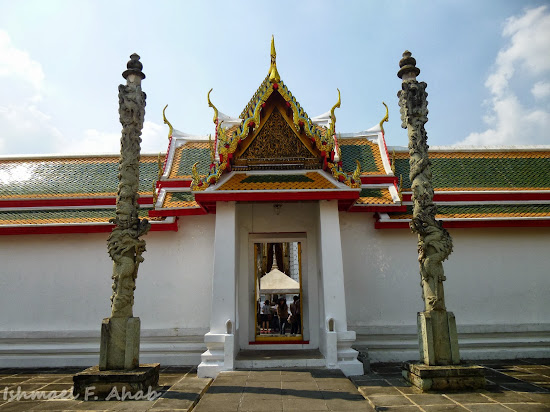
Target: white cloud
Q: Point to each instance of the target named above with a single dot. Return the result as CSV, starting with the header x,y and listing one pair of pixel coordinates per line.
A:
x,y
154,138
96,141
17,63
25,127
525,57
541,90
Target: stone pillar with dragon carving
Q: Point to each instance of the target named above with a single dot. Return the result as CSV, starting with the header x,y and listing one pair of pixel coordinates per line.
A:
x,y
437,335
120,334
438,339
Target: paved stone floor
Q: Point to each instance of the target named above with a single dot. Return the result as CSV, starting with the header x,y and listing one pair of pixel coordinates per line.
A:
x,y
282,390
519,385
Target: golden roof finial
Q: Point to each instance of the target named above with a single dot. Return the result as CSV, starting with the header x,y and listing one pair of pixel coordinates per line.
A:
x,y
337,105
167,122
385,119
273,73
212,106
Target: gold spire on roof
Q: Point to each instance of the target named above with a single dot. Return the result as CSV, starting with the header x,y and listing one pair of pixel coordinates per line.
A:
x,y
212,106
273,73
385,119
171,130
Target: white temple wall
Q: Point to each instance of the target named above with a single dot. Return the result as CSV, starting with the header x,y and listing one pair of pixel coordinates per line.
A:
x,y
497,286
55,290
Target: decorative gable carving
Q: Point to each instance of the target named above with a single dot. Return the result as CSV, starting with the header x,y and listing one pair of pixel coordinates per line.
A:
x,y
277,144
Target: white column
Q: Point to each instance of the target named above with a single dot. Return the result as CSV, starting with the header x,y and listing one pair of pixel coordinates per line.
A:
x,y
220,341
338,351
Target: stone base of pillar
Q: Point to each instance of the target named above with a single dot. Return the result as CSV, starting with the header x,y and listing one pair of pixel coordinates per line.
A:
x,y
93,383
346,355
340,355
119,346
219,356
442,378
437,338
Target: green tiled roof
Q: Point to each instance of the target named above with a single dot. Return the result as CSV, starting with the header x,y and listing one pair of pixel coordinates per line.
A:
x,y
486,209
493,209
188,159
483,172
182,197
370,193
53,215
276,179
363,153
66,176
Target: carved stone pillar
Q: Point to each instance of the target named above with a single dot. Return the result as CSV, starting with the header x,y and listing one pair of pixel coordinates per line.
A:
x,y
438,341
120,334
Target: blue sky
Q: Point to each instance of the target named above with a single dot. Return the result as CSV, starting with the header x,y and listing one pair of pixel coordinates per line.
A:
x,y
485,62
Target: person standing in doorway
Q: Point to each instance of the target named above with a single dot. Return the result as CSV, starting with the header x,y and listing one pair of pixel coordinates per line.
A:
x,y
295,324
282,314
266,313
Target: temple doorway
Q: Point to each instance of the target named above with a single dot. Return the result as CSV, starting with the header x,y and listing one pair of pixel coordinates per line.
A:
x,y
278,292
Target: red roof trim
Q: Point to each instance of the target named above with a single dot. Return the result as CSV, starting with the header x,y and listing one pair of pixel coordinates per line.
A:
x,y
376,180
379,208
173,183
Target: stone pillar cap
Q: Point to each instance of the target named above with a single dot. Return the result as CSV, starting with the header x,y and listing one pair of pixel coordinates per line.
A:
x,y
407,65
134,67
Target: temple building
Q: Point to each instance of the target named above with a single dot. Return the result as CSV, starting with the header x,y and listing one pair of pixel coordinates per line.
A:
x,y
275,211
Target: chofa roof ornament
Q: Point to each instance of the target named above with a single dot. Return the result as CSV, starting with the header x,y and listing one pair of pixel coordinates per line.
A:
x,y
273,73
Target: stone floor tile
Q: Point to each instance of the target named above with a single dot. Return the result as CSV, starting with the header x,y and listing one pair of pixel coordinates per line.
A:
x,y
469,397
92,406
10,380
302,394
263,384
225,389
522,387
215,406
169,380
261,396
509,397
487,407
441,408
137,406
304,405
378,390
389,400
48,387
528,407
255,405
348,405
430,399
342,395
539,397
164,403
18,406
55,405
308,385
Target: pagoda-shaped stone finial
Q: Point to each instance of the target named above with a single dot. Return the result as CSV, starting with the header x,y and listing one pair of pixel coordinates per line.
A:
x,y
134,68
273,73
408,69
